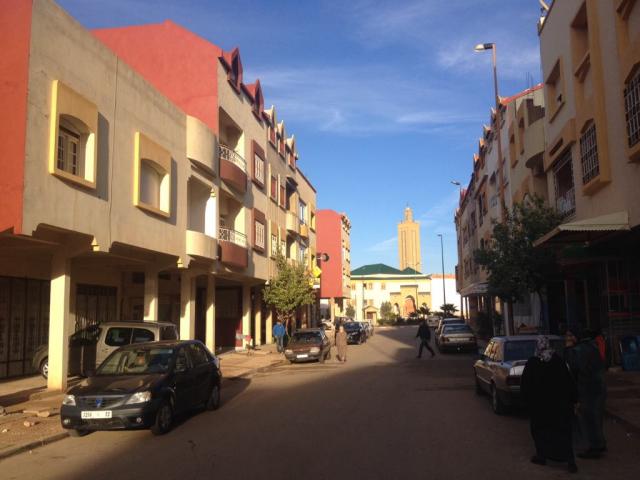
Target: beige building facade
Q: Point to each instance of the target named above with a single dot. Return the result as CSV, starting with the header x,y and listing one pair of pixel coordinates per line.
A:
x,y
125,202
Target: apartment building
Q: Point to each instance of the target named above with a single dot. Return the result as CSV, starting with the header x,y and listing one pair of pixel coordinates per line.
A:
x,y
334,246
138,187
590,54
480,205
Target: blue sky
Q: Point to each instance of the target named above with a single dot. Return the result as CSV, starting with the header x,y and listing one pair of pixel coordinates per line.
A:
x,y
386,98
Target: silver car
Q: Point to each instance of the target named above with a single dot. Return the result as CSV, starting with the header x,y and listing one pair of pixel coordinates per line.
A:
x,y
446,321
456,336
499,370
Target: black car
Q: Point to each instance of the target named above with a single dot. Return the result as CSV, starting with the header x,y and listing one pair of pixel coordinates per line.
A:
x,y
355,332
142,386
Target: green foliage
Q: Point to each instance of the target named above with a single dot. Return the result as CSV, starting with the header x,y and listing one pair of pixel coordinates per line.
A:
x,y
350,311
289,290
448,309
513,265
424,311
386,312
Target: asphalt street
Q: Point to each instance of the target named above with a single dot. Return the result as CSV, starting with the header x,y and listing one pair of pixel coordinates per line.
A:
x,y
382,415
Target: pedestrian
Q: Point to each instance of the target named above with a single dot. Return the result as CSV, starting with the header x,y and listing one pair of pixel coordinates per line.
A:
x,y
588,368
338,323
550,393
278,333
341,344
424,332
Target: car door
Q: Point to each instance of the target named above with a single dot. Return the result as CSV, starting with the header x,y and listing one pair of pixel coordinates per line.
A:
x,y
496,363
112,339
482,367
183,380
201,371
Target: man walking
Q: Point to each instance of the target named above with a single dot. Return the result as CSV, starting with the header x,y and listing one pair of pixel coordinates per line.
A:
x,y
425,335
278,333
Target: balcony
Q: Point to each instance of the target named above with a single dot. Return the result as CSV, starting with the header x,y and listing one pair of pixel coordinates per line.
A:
x,y
304,230
201,245
233,168
293,223
233,248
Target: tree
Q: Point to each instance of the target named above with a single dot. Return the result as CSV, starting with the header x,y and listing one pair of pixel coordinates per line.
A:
x,y
448,309
290,289
424,311
350,311
513,265
386,312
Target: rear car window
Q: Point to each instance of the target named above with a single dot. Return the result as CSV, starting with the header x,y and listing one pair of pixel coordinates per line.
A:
x,y
457,329
198,355
168,333
141,335
307,337
520,350
118,336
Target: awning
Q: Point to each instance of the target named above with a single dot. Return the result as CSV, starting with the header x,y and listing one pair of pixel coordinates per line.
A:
x,y
586,230
475,289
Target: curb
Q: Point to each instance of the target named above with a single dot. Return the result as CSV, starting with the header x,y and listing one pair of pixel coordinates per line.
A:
x,y
253,371
33,445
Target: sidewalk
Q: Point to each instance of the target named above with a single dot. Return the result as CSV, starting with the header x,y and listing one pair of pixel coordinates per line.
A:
x,y
29,414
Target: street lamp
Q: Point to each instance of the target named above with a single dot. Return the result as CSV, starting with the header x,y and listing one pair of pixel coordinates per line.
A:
x,y
482,47
444,291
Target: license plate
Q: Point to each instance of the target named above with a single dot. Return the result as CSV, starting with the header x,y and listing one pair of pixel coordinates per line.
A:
x,y
303,355
100,414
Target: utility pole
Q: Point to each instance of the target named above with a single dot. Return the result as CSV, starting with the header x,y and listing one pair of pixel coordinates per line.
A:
x,y
444,290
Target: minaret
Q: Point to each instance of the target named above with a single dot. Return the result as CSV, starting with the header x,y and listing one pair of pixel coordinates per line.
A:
x,y
409,242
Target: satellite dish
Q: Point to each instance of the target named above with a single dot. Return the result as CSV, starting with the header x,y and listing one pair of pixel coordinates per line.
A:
x,y
323,257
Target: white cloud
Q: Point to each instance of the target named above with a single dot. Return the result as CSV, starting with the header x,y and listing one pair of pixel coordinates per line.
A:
x,y
385,246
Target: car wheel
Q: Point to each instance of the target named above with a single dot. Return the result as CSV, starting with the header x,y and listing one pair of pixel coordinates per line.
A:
x,y
496,403
164,419
213,403
44,368
77,433
479,390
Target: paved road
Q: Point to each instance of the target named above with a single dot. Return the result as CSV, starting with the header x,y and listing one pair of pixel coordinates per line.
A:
x,y
382,415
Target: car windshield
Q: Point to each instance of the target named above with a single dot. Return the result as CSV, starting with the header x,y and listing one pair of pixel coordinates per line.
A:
x,y
457,329
351,326
306,337
136,361
525,349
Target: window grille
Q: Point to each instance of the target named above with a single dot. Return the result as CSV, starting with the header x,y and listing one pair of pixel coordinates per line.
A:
x,y
632,108
589,154
563,184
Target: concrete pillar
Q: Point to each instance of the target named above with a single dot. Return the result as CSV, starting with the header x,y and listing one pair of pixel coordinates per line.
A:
x,y
59,322
151,294
257,305
269,327
187,306
210,327
246,314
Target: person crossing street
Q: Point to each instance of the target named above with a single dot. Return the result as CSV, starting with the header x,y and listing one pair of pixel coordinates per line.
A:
x,y
424,333
278,333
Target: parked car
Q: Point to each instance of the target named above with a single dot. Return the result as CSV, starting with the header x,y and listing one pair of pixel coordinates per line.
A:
x,y
355,333
308,344
144,385
90,346
433,321
446,321
365,328
499,370
370,328
456,336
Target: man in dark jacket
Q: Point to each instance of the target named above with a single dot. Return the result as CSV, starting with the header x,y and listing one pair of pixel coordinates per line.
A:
x,y
425,335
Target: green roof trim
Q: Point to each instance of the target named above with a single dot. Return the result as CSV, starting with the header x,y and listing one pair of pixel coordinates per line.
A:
x,y
376,269
411,271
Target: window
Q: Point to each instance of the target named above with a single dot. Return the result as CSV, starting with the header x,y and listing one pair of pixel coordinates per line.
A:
x,y
260,235
198,355
168,333
555,89
274,245
152,180
142,335
302,213
118,337
282,196
272,135
274,189
383,286
369,286
182,361
563,183
302,254
258,164
258,168
370,303
589,154
632,108
69,154
283,247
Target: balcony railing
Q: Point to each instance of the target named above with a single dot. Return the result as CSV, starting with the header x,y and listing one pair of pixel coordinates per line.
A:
x,y
232,236
566,203
232,156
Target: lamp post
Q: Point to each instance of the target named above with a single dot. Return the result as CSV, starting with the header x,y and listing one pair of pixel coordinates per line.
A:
x,y
444,291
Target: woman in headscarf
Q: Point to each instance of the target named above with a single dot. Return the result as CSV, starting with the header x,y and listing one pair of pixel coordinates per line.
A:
x,y
341,344
550,392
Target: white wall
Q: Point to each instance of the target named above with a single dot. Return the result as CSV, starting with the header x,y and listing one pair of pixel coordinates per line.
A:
x,y
437,298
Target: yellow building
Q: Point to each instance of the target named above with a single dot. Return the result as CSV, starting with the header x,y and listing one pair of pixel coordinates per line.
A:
x,y
409,242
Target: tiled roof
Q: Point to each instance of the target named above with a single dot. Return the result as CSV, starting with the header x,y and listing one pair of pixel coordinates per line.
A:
x,y
376,269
